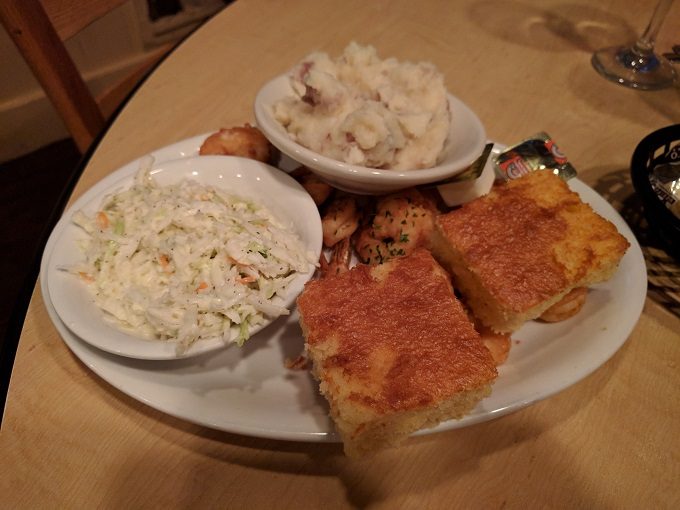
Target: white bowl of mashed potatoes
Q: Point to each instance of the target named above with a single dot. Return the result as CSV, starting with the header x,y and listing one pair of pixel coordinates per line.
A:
x,y
367,125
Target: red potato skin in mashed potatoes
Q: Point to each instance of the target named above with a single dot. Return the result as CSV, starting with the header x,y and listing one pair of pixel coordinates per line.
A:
x,y
365,111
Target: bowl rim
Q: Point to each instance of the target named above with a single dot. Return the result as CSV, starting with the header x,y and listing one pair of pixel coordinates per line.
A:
x,y
332,168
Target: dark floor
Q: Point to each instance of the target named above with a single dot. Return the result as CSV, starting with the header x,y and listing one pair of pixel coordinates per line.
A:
x,y
32,196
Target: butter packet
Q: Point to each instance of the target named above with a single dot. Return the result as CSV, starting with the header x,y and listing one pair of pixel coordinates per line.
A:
x,y
497,165
540,152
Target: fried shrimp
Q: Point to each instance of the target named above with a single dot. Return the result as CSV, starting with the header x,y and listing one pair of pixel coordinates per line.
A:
x,y
497,343
566,307
339,259
245,141
317,189
403,222
340,220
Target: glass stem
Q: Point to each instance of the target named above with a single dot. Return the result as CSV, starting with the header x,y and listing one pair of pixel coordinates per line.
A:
x,y
645,44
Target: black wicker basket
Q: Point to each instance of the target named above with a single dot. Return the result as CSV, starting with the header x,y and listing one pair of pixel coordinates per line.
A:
x,y
650,152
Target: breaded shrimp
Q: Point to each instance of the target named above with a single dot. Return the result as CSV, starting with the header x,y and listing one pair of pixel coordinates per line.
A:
x,y
317,189
566,307
403,222
497,343
340,219
339,259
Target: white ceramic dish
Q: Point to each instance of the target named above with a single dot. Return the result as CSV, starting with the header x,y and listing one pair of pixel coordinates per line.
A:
x,y
249,391
465,143
267,185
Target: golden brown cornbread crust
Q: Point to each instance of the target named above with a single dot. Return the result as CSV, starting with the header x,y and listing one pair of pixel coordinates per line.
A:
x,y
518,250
393,349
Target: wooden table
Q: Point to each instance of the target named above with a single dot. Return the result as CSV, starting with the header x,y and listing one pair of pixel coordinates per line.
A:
x,y
69,440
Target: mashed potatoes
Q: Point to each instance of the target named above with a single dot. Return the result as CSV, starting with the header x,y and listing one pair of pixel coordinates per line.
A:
x,y
366,111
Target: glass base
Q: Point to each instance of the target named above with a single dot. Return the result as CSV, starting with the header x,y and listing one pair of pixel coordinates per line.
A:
x,y
628,67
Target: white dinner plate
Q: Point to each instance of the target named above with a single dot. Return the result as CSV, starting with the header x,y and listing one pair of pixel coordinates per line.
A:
x,y
72,300
249,391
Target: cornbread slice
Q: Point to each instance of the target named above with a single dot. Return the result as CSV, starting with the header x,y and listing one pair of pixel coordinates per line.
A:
x,y
393,349
520,249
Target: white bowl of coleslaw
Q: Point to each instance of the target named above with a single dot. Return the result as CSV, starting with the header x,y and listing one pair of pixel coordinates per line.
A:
x,y
184,257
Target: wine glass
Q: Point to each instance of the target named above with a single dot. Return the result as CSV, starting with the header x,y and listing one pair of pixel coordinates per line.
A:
x,y
637,66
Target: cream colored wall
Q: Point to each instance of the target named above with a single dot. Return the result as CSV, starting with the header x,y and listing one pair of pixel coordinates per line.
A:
x,y
103,52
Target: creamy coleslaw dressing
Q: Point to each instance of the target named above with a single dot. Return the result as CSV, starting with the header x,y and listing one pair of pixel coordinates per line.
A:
x,y
185,262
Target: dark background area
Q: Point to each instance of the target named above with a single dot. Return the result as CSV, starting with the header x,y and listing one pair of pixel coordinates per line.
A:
x,y
33,191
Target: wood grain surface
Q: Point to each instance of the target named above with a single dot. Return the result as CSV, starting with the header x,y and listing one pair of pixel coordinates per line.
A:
x,y
70,440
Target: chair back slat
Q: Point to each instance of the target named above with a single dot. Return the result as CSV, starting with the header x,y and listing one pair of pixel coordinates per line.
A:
x,y
70,16
38,28
30,29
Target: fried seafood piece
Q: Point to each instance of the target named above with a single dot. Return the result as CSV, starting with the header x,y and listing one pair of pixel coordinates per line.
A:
x,y
317,189
340,219
393,349
566,307
244,141
497,343
403,222
338,261
520,249
299,363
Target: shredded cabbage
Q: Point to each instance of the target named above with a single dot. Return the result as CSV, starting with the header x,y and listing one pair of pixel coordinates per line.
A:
x,y
186,262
